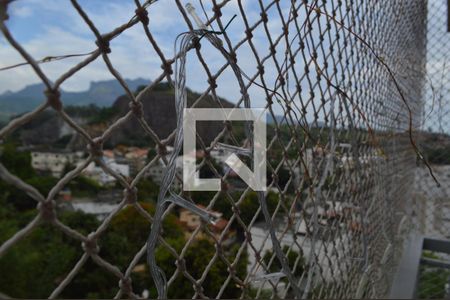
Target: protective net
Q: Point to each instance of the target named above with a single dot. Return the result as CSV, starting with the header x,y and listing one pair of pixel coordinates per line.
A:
x,y
431,210
346,88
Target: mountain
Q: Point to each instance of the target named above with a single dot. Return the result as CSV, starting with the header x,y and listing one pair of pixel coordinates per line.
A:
x,y
282,120
100,93
158,110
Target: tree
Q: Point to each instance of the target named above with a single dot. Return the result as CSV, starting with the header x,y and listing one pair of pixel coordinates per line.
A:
x,y
37,264
147,190
128,232
292,257
17,162
250,205
82,186
197,258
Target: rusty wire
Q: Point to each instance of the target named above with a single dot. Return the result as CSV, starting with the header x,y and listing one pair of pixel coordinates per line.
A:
x,y
344,76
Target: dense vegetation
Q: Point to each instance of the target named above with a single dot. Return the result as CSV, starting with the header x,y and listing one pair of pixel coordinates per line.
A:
x,y
36,265
432,281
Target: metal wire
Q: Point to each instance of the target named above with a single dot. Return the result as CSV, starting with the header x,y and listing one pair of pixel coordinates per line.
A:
x,y
346,86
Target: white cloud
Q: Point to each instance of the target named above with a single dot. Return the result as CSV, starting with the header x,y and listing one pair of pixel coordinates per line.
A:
x,y
22,12
62,31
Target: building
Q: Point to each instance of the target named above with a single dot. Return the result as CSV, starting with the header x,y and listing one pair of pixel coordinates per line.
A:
x,y
136,159
431,204
156,172
95,172
54,161
191,221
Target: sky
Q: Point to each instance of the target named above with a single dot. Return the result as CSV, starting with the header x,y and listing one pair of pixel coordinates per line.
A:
x,y
53,27
437,86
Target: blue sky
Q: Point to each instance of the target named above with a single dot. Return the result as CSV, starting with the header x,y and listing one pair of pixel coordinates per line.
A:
x,y
52,27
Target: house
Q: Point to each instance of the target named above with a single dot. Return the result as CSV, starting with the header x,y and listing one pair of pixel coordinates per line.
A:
x,y
96,173
430,206
54,161
156,172
136,159
191,221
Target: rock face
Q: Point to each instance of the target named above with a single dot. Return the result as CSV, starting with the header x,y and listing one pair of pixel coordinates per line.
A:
x,y
158,111
100,93
42,130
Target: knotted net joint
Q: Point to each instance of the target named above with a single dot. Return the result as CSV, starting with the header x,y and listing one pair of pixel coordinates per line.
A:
x,y
224,186
198,288
260,69
248,238
47,210
167,67
233,57
212,83
219,249
304,111
275,178
207,155
161,149
292,60
301,44
103,44
217,11
264,17
232,271
96,148
130,195
244,93
4,10
125,285
90,246
257,256
181,264
142,15
288,110
137,109
195,43
273,50
54,99
249,34
228,126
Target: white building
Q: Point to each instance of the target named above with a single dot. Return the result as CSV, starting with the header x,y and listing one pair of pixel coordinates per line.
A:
x,y
96,173
99,209
156,171
54,161
431,206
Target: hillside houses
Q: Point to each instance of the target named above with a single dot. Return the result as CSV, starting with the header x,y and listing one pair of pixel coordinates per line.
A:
x,y
192,221
95,172
54,161
126,161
